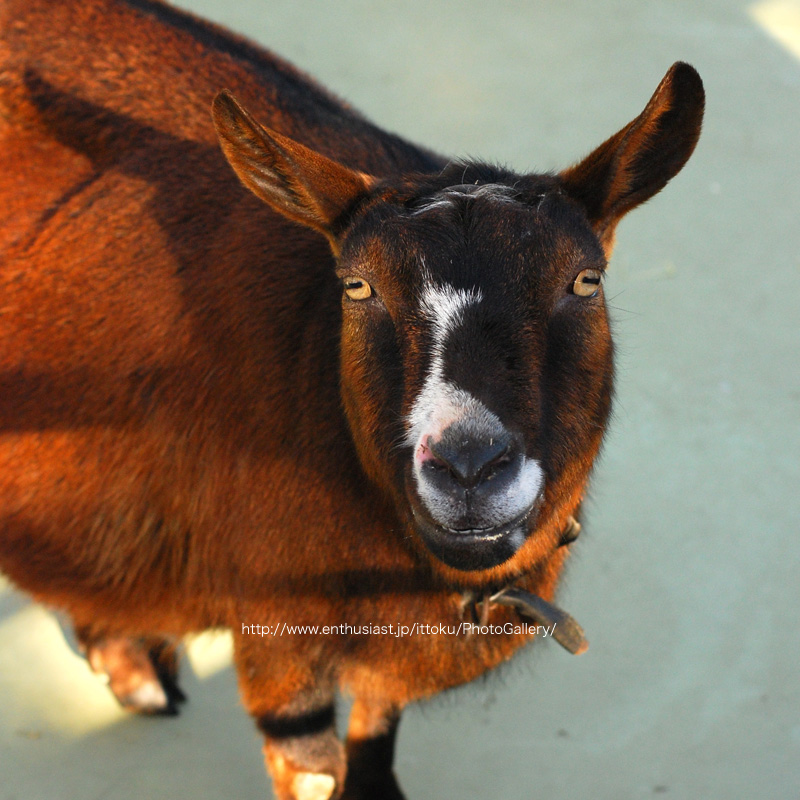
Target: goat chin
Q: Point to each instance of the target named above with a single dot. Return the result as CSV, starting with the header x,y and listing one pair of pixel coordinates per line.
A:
x,y
470,549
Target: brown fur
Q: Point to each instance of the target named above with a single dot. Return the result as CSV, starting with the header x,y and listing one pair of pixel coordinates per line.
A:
x,y
175,453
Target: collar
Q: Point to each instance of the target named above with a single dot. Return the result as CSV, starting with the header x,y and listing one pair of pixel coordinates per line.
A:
x,y
566,631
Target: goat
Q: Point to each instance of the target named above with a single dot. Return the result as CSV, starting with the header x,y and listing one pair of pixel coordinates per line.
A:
x,y
367,392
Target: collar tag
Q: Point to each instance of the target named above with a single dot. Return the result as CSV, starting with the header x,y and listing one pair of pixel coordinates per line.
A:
x,y
566,631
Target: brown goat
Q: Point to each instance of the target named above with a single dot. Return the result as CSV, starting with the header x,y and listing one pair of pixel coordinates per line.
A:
x,y
369,400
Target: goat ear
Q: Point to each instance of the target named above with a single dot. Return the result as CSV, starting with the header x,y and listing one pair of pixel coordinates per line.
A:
x,y
295,180
637,162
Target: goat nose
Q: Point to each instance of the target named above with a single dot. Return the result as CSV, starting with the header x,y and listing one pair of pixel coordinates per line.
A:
x,y
471,459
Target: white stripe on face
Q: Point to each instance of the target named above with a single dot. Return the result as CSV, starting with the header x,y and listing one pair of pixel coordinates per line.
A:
x,y
440,402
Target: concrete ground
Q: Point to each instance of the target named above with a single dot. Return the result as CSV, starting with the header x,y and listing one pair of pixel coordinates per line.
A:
x,y
688,578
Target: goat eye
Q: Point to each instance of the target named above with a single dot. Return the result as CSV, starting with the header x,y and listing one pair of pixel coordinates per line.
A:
x,y
587,284
357,289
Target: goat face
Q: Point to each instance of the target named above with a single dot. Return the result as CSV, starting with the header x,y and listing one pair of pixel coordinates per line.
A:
x,y
476,359
477,381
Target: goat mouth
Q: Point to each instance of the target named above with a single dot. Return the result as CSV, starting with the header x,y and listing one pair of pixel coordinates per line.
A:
x,y
473,549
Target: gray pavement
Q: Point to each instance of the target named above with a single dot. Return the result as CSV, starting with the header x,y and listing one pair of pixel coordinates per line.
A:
x,y
687,578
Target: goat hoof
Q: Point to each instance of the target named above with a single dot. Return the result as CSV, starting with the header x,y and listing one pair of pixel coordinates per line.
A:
x,y
313,786
142,679
373,787
148,698
168,679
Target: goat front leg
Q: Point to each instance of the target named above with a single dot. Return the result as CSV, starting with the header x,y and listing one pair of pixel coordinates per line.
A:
x,y
141,671
371,738
291,695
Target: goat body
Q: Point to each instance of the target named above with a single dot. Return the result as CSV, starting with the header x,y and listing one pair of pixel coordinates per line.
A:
x,y
366,389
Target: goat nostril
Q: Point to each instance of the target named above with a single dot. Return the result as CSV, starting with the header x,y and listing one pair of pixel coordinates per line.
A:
x,y
496,466
429,459
436,464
